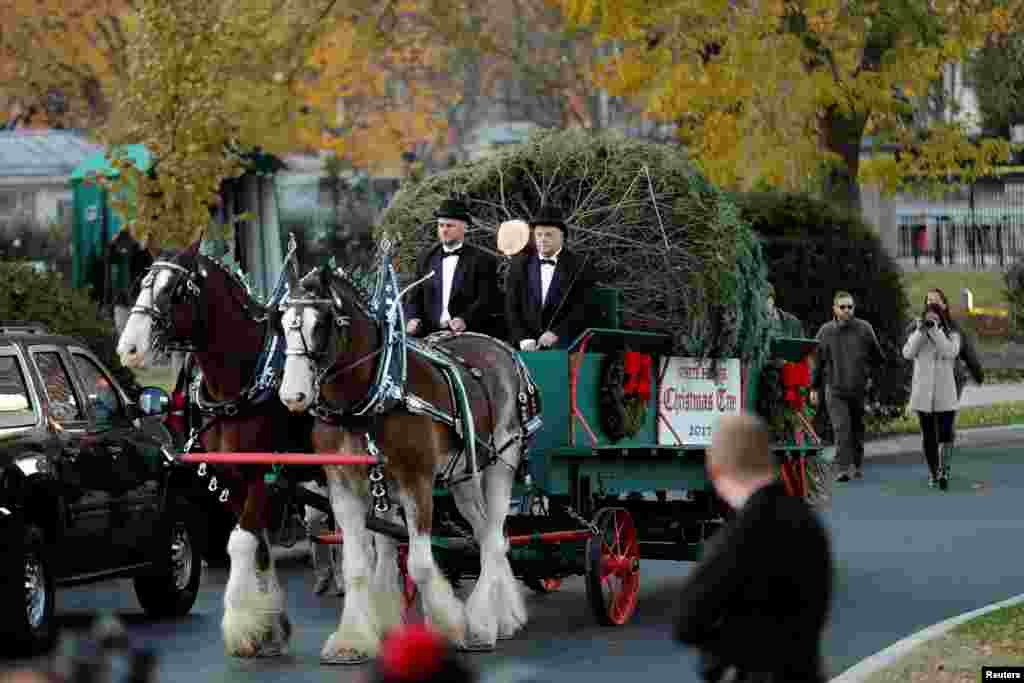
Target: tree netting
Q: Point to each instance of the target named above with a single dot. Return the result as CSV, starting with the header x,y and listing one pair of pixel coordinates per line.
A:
x,y
648,223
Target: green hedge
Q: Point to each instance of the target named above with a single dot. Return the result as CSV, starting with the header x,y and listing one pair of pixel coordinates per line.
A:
x,y
47,298
813,250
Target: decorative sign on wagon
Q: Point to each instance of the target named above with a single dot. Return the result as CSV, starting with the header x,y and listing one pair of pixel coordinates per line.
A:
x,y
692,396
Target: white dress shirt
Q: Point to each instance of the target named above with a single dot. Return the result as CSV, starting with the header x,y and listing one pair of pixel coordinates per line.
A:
x,y
547,273
448,266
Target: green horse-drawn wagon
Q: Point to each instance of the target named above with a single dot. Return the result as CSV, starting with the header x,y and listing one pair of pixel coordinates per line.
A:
x,y
594,505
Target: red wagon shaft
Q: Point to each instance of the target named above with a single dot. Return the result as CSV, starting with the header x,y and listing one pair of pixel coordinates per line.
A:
x,y
280,458
550,537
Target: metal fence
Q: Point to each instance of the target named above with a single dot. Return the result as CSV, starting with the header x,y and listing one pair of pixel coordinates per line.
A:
x,y
979,227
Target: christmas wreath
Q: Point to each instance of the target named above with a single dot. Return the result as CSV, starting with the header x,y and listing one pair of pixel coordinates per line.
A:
x,y
625,393
782,397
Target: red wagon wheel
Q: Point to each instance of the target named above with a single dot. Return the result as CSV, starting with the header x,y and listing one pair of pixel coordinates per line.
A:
x,y
613,567
407,586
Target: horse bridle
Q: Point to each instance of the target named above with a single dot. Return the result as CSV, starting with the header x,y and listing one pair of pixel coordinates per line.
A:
x,y
340,333
339,330
184,284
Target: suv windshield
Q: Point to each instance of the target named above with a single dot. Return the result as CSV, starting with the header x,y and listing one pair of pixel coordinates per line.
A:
x,y
15,402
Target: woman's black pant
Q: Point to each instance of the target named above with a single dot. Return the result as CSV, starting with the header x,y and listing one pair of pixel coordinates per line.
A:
x,y
936,428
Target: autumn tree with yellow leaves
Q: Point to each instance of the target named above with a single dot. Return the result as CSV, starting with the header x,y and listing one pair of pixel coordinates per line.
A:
x,y
208,81
783,92
59,57
376,89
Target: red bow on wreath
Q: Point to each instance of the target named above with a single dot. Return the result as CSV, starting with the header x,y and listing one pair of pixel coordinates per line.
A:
x,y
637,367
796,376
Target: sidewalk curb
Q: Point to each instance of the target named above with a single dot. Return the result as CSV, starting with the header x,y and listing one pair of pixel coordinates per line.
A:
x,y
880,660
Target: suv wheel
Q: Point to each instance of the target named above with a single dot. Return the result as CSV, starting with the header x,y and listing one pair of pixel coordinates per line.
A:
x,y
171,587
29,628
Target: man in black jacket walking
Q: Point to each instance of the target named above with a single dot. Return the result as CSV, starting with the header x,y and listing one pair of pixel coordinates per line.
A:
x,y
463,293
545,295
847,348
756,604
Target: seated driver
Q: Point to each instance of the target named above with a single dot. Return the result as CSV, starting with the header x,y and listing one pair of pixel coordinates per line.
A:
x,y
462,293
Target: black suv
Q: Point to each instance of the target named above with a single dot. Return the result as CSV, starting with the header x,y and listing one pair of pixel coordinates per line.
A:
x,y
87,492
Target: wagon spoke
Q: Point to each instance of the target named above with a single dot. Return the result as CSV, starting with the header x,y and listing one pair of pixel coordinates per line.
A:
x,y
614,571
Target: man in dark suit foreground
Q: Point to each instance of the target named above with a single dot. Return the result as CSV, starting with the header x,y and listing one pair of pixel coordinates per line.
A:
x,y
545,297
755,606
463,293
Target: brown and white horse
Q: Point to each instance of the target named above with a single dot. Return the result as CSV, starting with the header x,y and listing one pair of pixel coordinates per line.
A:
x,y
416,448
193,301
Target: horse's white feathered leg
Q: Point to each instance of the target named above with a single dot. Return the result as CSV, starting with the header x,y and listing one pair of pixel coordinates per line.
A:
x,y
440,604
357,639
507,597
481,617
386,593
255,623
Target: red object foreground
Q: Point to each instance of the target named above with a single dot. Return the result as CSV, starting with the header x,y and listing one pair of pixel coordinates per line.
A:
x,y
414,652
280,458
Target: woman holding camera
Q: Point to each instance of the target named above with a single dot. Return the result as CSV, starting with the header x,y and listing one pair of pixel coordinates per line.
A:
x,y
933,345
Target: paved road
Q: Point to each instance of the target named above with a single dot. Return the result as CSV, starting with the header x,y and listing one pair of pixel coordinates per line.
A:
x,y
907,557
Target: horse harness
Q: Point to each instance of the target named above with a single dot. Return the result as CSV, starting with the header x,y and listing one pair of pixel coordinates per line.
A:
x,y
187,284
388,390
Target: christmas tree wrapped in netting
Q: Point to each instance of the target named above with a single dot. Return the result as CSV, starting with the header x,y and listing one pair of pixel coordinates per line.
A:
x,y
647,221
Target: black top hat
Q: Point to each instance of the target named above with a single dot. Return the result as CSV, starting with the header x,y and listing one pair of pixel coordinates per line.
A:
x,y
454,209
549,215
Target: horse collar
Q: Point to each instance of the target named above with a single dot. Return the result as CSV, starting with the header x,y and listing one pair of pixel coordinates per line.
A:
x,y
264,384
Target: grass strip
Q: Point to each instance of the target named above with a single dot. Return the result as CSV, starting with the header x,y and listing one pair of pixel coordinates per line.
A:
x,y
988,287
993,415
993,639
162,377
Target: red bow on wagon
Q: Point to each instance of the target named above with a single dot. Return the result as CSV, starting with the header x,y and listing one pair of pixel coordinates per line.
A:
x,y
637,367
796,376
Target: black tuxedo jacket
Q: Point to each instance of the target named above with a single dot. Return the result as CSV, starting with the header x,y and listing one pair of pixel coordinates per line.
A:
x,y
474,290
524,315
759,599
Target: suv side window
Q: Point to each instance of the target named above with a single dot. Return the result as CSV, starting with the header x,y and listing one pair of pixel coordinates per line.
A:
x,y
59,389
99,390
15,398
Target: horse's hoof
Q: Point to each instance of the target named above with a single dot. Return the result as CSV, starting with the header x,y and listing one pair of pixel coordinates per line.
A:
x,y
344,658
475,646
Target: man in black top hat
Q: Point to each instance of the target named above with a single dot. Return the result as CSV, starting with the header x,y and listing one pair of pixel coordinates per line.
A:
x,y
464,290
545,301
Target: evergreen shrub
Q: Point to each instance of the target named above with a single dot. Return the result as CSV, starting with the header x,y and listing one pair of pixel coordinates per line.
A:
x,y
47,298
